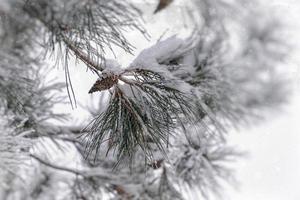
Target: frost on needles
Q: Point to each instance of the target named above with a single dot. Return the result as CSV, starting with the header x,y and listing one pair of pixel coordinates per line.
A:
x,y
163,121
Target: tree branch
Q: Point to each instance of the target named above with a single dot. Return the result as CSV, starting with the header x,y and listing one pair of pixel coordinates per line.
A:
x,y
83,57
66,169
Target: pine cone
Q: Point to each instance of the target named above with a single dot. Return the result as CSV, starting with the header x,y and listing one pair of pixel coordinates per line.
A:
x,y
162,4
104,84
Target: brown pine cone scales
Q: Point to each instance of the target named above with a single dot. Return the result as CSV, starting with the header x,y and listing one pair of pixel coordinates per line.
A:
x,y
104,84
162,5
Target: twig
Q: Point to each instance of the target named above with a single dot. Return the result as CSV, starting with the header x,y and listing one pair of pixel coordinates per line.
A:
x,y
83,57
83,173
66,169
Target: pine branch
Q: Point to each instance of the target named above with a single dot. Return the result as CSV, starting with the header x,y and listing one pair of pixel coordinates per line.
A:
x,y
87,27
61,168
95,67
188,86
145,109
94,173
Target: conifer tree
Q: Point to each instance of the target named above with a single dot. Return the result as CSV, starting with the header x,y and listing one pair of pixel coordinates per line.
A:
x,y
163,122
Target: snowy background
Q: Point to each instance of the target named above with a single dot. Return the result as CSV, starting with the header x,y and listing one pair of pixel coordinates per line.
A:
x,y
271,171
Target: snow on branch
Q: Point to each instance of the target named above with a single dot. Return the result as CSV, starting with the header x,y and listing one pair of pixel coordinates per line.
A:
x,y
87,28
144,110
168,112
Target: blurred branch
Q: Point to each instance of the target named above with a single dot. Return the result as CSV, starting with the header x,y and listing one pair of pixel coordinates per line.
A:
x,y
61,168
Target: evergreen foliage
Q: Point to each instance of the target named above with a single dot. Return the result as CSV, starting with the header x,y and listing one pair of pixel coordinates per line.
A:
x,y
164,124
